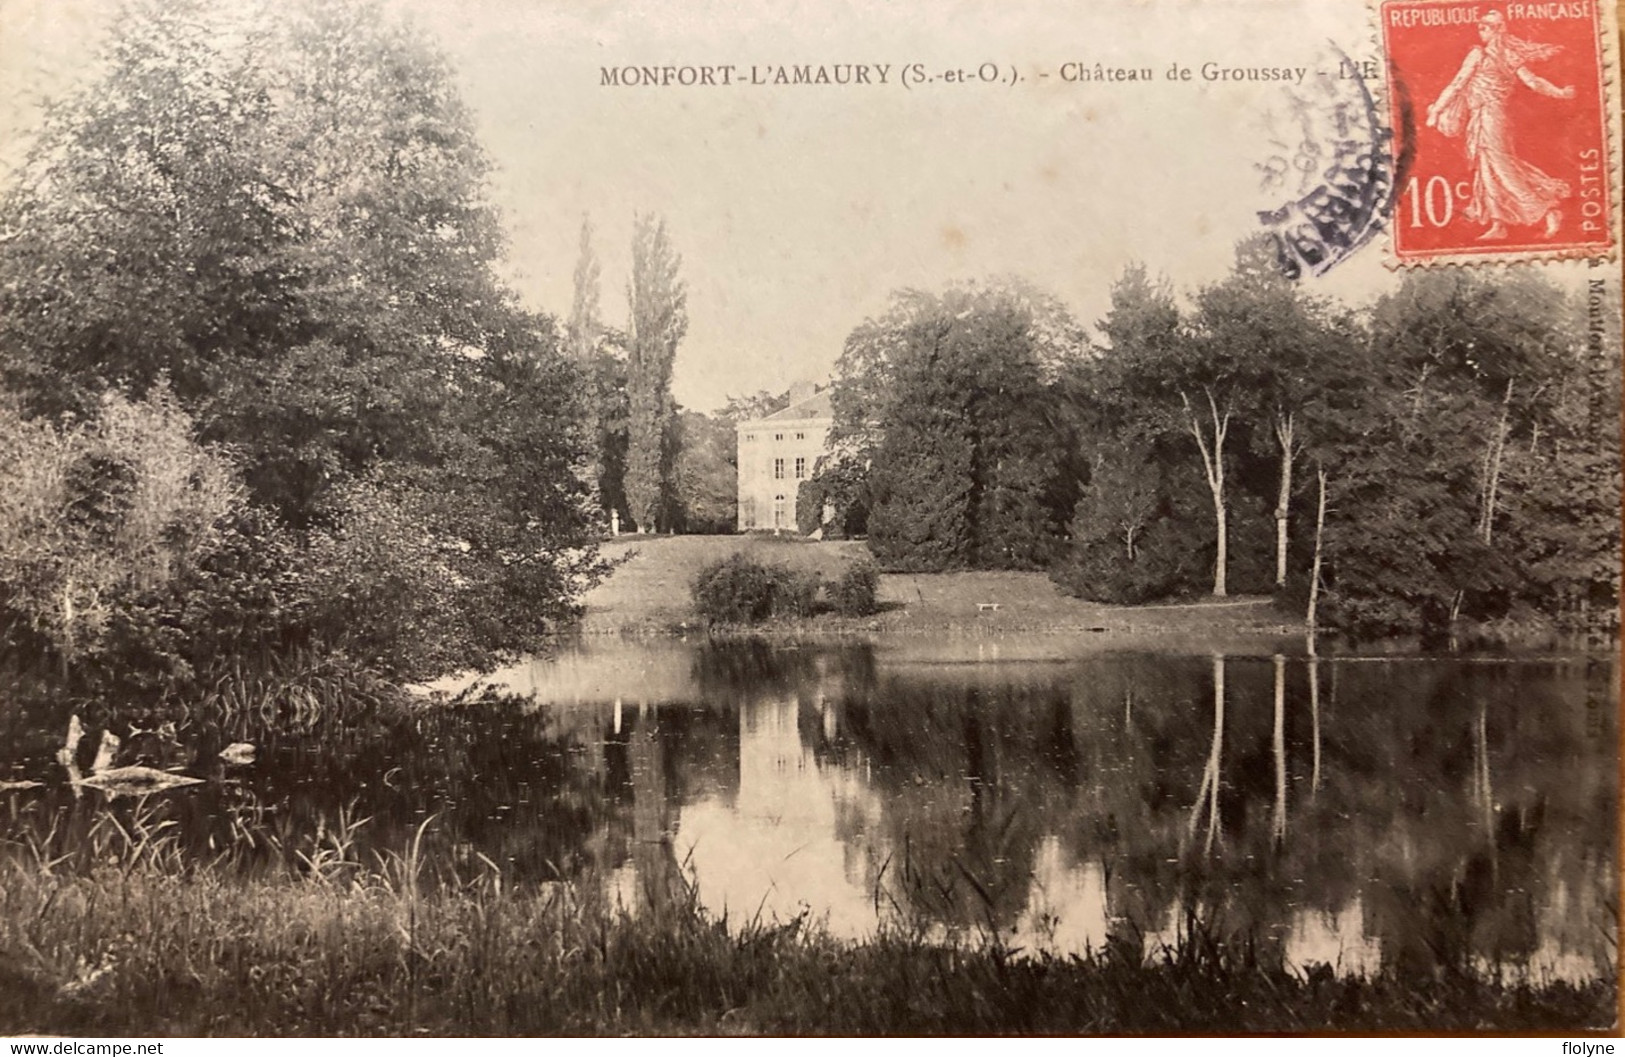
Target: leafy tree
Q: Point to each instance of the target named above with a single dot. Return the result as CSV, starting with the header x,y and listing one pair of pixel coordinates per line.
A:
x,y
1137,532
280,216
291,230
1284,348
922,487
1132,537
658,300
1563,494
757,405
866,384
707,473
585,326
1224,373
1472,378
1464,443
844,484
1123,495
1228,383
946,397
1014,436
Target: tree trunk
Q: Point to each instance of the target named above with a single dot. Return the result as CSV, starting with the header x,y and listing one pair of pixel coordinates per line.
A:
x,y
68,619
1207,795
1416,393
1492,470
1279,747
1483,793
1284,435
1213,467
1314,567
1314,719
1482,787
1218,749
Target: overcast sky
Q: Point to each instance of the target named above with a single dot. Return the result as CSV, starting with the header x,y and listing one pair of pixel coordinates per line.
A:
x,y
797,209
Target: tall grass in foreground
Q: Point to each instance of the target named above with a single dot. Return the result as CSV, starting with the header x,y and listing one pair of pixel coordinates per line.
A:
x,y
138,941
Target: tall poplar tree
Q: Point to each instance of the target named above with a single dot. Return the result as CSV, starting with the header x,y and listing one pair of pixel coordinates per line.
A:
x,y
659,309
581,345
584,323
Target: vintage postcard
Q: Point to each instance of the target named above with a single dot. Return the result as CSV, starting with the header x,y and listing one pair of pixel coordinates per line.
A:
x,y
538,517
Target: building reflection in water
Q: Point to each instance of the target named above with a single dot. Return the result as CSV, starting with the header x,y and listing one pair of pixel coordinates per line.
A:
x,y
777,851
1338,939
1054,810
1066,906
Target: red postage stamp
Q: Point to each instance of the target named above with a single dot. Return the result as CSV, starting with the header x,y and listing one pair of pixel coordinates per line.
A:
x,y
1500,144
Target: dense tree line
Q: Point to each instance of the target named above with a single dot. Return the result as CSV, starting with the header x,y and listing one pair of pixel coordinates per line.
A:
x,y
261,389
1447,453
259,371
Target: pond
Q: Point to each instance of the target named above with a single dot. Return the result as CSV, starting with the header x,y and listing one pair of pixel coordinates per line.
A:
x,y
1360,812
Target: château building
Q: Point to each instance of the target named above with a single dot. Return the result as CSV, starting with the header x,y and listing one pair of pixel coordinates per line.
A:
x,y
776,454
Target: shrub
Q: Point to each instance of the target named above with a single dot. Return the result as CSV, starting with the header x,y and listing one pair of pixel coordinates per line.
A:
x,y
97,516
1167,563
853,595
740,590
1172,535
735,590
394,586
795,593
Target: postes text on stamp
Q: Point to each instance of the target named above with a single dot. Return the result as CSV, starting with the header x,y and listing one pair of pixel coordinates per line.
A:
x,y
1500,147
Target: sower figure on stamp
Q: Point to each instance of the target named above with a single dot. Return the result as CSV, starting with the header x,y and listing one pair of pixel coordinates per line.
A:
x,y
1506,189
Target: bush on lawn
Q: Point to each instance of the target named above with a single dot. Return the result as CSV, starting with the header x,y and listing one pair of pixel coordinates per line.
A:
x,y
853,595
741,590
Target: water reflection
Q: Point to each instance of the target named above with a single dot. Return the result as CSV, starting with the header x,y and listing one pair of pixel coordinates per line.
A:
x,y
791,839
1314,934
1427,815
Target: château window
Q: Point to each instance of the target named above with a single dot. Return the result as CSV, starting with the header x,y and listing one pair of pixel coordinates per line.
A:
x,y
778,436
801,436
778,511
778,469
801,468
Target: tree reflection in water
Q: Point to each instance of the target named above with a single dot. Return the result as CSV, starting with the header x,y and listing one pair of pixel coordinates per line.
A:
x,y
1432,815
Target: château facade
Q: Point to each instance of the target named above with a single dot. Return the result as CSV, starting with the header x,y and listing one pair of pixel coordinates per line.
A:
x,y
776,454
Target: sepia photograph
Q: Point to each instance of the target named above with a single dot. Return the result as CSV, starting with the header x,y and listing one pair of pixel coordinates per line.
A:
x,y
785,518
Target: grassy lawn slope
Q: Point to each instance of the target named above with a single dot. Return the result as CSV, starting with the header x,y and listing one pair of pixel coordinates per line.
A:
x,y
650,592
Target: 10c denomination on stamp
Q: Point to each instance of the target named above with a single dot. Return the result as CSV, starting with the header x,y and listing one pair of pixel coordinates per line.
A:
x,y
1500,144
